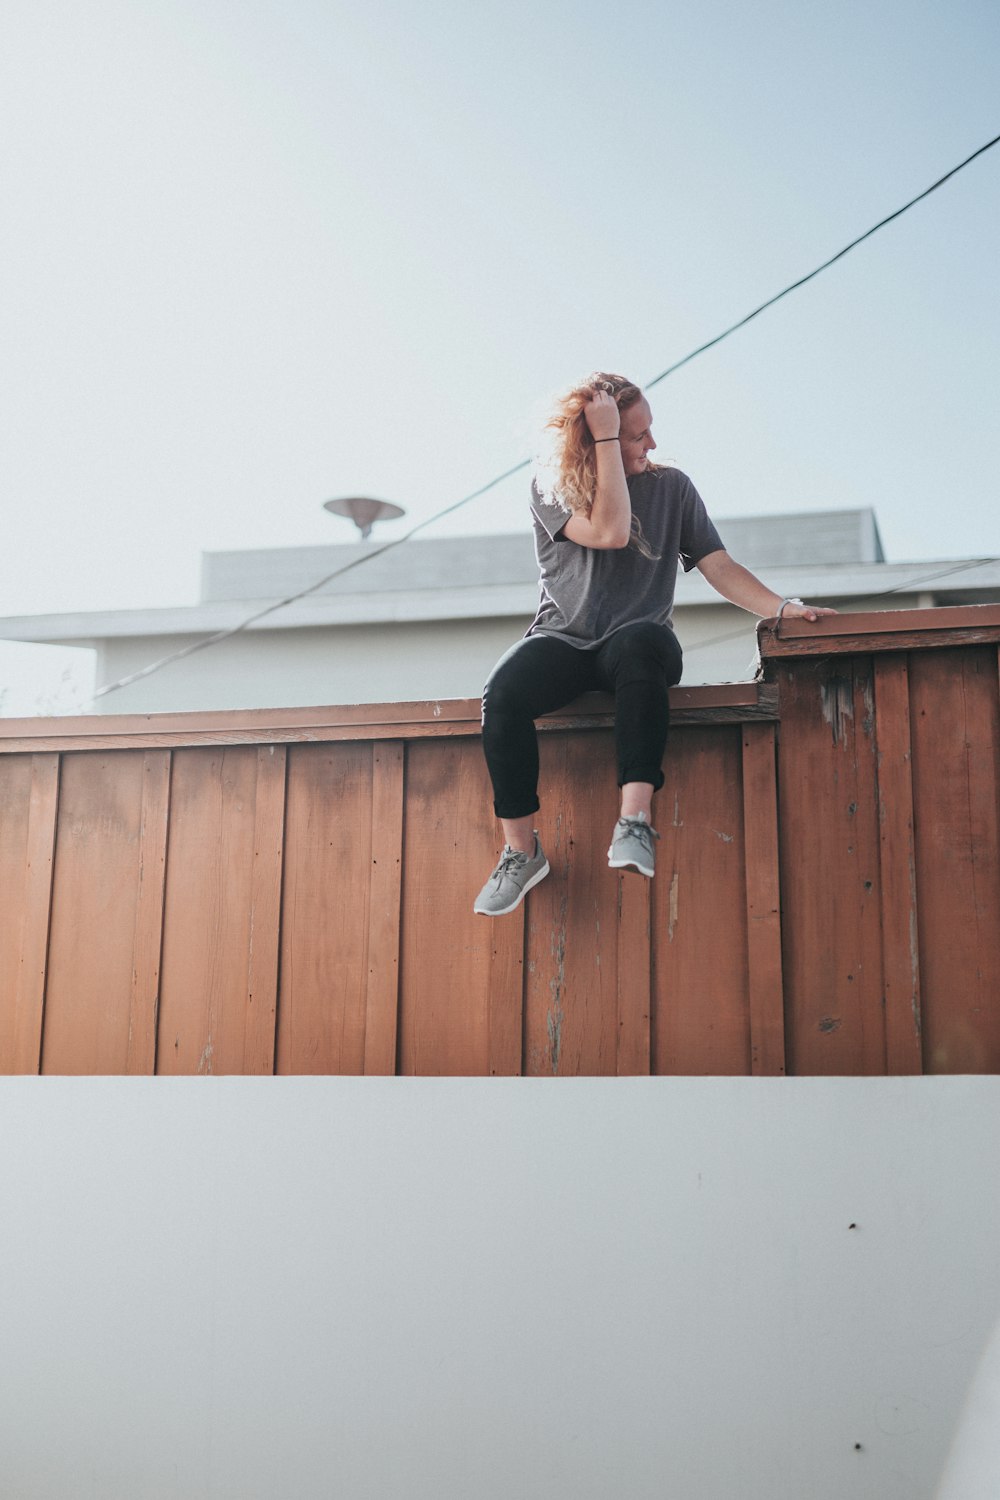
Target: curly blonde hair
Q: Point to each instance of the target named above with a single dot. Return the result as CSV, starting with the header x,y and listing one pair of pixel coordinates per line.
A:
x,y
566,472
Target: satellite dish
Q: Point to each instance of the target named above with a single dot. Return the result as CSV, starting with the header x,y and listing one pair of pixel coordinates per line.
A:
x,y
364,512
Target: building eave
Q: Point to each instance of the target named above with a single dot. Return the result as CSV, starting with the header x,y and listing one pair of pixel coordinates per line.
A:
x,y
835,583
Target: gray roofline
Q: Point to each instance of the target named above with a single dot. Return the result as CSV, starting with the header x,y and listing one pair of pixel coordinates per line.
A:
x,y
831,582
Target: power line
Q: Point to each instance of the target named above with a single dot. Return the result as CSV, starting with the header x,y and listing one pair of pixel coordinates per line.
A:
x,y
803,279
897,588
901,588
222,635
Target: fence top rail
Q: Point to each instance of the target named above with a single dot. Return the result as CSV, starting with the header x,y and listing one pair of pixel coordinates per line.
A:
x,y
834,635
728,702
880,630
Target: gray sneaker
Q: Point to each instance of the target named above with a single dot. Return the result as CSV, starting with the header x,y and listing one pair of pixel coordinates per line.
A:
x,y
515,874
632,845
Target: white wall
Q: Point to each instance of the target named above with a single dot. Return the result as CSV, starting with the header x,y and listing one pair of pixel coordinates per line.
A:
x,y
38,679
973,1468
388,663
289,668
409,1289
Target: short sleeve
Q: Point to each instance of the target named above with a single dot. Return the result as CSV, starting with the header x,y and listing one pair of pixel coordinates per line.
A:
x,y
550,515
698,535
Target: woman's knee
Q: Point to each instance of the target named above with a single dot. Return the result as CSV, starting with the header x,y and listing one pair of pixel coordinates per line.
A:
x,y
647,650
534,677
504,692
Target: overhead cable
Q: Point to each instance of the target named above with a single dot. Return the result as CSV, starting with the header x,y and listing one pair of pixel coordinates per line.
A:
x,y
369,556
260,614
906,587
803,279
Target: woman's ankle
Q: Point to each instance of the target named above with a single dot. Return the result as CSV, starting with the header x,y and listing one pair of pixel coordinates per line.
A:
x,y
519,833
637,799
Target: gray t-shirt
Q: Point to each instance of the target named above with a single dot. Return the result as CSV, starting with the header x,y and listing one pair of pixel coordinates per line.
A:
x,y
587,593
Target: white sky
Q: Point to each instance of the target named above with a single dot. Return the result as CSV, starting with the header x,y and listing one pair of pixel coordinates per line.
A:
x,y
254,255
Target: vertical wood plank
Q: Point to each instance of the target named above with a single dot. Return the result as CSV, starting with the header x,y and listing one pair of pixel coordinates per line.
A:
x,y
898,882
571,986
829,853
95,884
325,939
223,872
505,994
955,726
763,901
386,876
265,911
446,949
29,792
633,974
148,931
700,1011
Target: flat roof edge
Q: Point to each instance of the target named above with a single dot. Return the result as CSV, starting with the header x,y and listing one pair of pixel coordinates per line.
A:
x,y
843,581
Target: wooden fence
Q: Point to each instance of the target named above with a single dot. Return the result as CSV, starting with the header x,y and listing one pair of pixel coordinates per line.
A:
x,y
291,891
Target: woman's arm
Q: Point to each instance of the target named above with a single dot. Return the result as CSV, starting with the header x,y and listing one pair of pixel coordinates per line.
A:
x,y
610,521
739,586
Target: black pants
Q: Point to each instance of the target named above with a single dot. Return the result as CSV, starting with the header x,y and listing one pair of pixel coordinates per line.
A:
x,y
540,674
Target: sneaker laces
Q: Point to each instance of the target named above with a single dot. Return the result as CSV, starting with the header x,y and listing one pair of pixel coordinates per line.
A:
x,y
638,828
510,859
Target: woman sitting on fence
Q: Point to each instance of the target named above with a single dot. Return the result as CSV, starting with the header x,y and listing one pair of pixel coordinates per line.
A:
x,y
610,526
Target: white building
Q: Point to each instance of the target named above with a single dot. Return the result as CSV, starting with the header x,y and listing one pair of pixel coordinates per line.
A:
x,y
428,619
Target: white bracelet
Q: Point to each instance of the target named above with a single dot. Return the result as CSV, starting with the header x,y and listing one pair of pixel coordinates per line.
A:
x,y
781,606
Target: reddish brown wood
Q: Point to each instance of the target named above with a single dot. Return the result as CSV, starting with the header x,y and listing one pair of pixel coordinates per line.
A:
x,y
15,910
882,630
265,725
148,932
763,899
571,989
829,851
95,888
385,877
222,864
322,1011
729,702
446,950
28,802
898,881
505,993
701,1020
956,729
886,826
265,908
634,979
711,703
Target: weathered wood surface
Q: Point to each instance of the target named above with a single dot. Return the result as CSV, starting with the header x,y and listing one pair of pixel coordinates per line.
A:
x,y
323,987
292,891
829,852
218,986
898,874
883,630
701,1016
572,949
723,703
29,788
95,914
385,896
955,726
763,901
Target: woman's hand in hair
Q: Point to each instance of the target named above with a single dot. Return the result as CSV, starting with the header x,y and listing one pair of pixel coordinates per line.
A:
x,y
601,415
